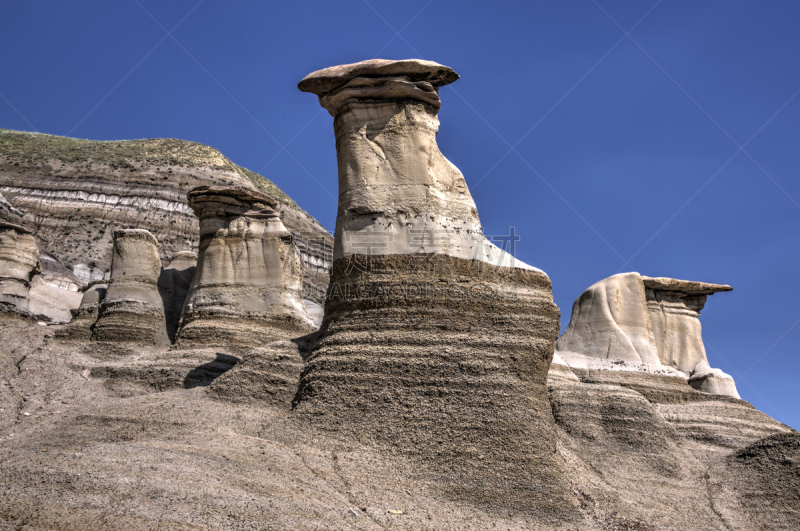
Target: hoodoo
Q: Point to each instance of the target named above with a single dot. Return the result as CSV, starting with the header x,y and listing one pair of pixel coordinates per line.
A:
x,y
19,261
434,342
132,309
634,323
248,286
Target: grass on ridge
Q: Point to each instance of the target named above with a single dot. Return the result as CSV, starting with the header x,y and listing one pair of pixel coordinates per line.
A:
x,y
32,149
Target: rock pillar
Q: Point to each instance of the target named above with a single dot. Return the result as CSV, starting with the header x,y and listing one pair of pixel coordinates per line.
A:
x,y
248,287
19,261
628,322
434,342
132,309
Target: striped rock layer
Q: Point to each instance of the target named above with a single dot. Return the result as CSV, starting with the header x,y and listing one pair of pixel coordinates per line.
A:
x,y
433,344
248,287
19,262
77,192
132,309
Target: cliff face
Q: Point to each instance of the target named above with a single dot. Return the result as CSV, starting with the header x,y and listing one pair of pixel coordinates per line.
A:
x,y
75,193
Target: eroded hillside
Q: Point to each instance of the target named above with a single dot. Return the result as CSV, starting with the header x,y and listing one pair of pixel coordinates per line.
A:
x,y
74,193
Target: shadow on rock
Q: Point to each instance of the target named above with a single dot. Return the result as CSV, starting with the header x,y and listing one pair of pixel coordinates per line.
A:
x,y
203,375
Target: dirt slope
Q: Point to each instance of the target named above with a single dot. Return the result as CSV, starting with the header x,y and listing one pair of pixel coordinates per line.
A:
x,y
101,437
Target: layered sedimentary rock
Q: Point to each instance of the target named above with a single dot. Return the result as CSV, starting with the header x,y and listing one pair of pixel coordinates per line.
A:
x,y
174,284
8,213
763,481
74,193
632,323
85,315
648,458
645,443
132,309
266,375
636,435
48,290
19,262
55,292
674,307
434,342
247,289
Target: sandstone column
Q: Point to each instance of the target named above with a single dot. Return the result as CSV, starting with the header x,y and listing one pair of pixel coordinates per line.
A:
x,y
434,343
632,323
248,288
19,261
132,309
674,306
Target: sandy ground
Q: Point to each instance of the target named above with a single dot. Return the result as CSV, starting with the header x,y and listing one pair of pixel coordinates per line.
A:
x,y
95,436
82,452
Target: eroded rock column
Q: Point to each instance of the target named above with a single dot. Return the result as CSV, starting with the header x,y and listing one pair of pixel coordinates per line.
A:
x,y
248,287
674,307
19,262
632,323
132,309
434,342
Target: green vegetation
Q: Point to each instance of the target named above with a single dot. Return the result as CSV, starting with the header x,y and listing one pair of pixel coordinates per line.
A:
x,y
36,149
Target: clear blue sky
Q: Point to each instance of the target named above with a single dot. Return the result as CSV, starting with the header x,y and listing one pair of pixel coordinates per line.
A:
x,y
672,151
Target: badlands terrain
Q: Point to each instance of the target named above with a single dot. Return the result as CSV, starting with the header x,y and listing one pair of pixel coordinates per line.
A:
x,y
185,348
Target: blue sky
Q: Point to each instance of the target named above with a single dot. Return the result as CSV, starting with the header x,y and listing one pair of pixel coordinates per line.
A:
x,y
659,137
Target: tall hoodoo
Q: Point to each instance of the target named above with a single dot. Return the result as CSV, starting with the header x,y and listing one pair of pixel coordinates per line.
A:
x,y
434,342
19,261
132,309
397,193
248,286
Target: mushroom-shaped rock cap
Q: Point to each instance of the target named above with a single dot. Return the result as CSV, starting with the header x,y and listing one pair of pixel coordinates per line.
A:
x,y
328,79
241,194
684,286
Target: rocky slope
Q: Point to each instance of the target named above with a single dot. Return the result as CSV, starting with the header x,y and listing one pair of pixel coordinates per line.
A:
x,y
75,193
147,438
